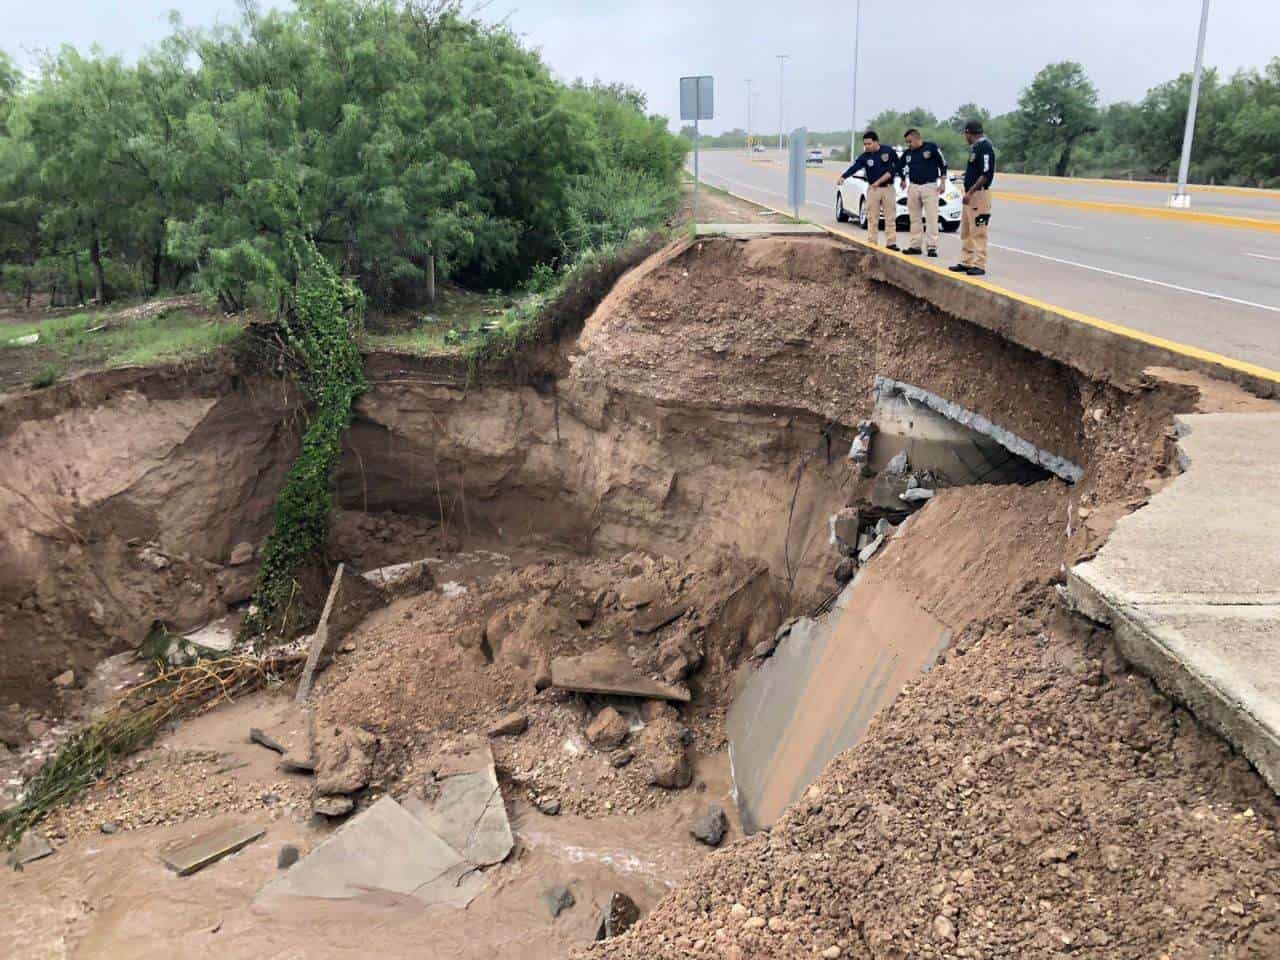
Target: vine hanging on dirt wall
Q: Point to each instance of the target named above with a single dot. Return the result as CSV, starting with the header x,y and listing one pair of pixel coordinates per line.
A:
x,y
321,325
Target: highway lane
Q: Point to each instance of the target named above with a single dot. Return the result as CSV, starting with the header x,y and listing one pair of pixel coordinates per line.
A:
x,y
1229,201
1210,286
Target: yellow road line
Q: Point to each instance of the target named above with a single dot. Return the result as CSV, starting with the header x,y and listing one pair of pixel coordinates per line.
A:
x,y
1182,349
1261,193
1135,210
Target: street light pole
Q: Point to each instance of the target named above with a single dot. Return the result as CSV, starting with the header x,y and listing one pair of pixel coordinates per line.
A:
x,y
748,114
782,61
853,121
1181,198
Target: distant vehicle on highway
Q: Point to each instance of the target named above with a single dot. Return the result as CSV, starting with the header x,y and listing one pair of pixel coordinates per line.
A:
x,y
815,156
851,203
758,148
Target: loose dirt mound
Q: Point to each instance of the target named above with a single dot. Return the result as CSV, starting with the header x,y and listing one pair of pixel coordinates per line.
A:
x,y
1029,797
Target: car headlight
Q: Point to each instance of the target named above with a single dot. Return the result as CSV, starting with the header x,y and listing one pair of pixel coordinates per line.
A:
x,y
952,195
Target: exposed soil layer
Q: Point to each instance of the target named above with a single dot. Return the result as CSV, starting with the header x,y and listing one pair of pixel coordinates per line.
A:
x,y
1029,797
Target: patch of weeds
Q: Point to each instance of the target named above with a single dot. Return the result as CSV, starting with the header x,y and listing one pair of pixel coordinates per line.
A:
x,y
46,376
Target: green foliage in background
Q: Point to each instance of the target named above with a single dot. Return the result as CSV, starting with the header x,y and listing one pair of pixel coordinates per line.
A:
x,y
321,327
388,133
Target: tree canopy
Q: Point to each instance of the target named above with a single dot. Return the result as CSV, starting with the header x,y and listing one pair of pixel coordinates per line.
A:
x,y
387,132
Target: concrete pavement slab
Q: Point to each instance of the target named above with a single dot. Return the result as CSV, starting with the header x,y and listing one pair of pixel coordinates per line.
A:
x,y
749,231
1191,582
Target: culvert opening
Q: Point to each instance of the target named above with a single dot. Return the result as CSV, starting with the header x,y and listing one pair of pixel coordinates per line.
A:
x,y
669,504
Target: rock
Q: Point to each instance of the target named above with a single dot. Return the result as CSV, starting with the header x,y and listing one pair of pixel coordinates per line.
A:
x,y
611,672
831,953
883,527
845,571
620,758
37,729
898,465
652,710
607,730
558,900
777,924
65,680
511,725
710,828
655,618
109,827
265,740
333,806
549,808
241,554
665,752
943,928
542,676
32,846
844,529
754,923
869,551
619,915
738,911
639,592
402,579
187,856
293,763
287,857
344,759
916,495
583,612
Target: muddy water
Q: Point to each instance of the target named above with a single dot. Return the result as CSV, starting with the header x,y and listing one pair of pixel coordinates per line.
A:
x,y
109,896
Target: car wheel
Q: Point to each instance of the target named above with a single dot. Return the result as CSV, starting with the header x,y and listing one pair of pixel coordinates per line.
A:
x,y
950,226
862,213
842,215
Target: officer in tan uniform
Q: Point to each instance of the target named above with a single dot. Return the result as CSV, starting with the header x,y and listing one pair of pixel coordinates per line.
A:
x,y
880,163
924,176
979,175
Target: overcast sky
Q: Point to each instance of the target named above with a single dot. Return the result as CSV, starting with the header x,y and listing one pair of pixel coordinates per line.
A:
x,y
933,54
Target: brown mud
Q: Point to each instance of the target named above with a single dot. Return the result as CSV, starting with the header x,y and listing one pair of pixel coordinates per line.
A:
x,y
688,444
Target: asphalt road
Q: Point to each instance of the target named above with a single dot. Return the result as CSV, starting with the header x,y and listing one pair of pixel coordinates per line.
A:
x,y
1067,243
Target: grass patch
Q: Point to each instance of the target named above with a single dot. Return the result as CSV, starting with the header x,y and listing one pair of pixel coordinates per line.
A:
x,y
458,317
46,376
116,341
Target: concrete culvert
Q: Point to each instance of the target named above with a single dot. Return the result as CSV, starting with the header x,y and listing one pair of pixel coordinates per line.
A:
x,y
658,488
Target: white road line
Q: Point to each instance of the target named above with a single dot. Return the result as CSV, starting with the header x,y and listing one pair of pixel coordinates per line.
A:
x,y
1064,226
1129,276
1261,256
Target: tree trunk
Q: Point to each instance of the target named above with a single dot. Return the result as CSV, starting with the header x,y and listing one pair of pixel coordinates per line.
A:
x,y
1065,160
156,260
28,287
99,274
75,262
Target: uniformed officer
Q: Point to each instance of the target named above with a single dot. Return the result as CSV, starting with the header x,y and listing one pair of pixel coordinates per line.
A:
x,y
880,164
979,175
924,174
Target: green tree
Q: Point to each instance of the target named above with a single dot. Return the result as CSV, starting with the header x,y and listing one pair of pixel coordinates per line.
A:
x,y
1058,108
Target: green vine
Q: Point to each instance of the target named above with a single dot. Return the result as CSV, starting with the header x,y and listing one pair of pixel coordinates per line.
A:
x,y
321,324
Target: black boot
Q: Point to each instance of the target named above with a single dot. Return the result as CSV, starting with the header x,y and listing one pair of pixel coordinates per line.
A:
x,y
933,252
913,251
959,268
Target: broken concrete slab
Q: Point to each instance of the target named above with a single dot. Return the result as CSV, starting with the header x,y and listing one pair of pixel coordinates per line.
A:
x,y
1190,584
750,231
903,411
383,848
186,857
610,672
216,637
655,618
350,600
464,804
818,692
31,847
402,579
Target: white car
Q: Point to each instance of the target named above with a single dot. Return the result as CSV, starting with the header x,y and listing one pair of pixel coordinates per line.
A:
x,y
851,202
815,156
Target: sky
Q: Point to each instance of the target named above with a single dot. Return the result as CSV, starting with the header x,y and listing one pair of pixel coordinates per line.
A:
x,y
920,53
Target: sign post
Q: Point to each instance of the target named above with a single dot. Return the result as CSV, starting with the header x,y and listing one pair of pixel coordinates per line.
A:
x,y
697,96
796,175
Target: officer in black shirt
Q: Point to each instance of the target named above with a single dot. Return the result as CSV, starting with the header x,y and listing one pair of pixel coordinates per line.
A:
x,y
979,175
924,174
880,163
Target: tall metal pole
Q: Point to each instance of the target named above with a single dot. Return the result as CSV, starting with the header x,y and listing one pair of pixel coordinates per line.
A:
x,y
1180,199
696,176
853,121
782,60
748,114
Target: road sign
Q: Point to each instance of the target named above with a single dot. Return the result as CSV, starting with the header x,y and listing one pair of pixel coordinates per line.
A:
x,y
697,96
697,99
796,175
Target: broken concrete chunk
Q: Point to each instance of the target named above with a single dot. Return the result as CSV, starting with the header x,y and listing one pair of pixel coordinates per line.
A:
x,y
883,527
607,730
869,551
916,495
619,915
510,725
31,847
350,600
610,672
382,848
209,847
655,618
263,739
558,900
710,828
898,465
844,529
402,579
463,805
639,592
333,806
